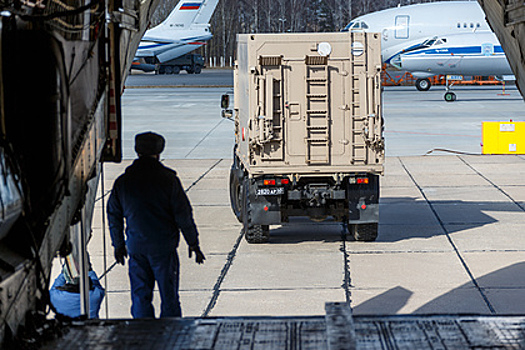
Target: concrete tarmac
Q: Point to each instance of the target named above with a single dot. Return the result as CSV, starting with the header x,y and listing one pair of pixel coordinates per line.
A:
x,y
451,234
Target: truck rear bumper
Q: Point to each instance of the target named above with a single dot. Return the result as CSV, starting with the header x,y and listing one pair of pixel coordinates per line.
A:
x,y
355,204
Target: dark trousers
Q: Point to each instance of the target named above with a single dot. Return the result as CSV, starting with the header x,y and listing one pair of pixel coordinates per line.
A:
x,y
144,270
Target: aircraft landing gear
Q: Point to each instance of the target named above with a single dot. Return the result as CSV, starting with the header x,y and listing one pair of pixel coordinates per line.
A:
x,y
449,95
423,84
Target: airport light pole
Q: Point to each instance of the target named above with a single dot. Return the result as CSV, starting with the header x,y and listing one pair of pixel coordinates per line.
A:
x,y
281,24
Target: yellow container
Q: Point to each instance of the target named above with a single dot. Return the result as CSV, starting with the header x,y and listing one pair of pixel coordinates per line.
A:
x,y
503,137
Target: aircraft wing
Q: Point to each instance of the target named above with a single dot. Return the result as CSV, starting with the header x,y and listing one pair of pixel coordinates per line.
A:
x,y
149,47
156,47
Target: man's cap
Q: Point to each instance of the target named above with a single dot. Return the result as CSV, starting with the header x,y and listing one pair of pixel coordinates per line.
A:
x,y
149,144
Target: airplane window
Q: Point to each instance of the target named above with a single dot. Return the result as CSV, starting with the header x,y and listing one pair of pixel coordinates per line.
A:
x,y
471,25
355,25
429,42
478,25
459,25
464,25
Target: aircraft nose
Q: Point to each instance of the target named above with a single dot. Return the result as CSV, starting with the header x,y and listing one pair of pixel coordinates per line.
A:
x,y
396,62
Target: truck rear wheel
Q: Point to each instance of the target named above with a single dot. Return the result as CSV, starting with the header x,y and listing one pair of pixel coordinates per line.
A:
x,y
236,194
364,232
198,69
258,234
252,233
176,69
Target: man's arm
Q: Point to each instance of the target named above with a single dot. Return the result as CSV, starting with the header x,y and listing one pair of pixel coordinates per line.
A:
x,y
116,219
183,214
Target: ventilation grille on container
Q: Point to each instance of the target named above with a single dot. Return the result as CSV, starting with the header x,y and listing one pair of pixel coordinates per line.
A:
x,y
316,60
270,60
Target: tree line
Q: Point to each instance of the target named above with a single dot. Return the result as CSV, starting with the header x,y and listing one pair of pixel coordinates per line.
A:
x,y
233,17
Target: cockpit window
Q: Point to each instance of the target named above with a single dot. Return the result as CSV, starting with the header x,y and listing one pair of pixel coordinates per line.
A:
x,y
429,42
355,25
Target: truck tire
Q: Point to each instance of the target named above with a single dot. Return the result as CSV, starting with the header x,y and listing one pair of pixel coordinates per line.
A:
x,y
252,233
168,70
236,193
258,234
364,232
198,69
176,69
162,70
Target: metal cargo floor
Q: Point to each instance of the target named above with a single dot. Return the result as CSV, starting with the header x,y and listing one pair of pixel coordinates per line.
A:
x,y
371,332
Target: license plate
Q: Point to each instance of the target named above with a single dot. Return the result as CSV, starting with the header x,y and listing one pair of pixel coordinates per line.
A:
x,y
270,191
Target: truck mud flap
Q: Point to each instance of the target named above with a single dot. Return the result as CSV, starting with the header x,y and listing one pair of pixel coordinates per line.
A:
x,y
265,210
363,202
363,213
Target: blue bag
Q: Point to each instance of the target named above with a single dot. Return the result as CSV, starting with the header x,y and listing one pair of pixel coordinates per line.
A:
x,y
68,303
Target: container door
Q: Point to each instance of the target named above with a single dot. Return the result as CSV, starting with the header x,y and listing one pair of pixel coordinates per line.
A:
x,y
402,23
269,113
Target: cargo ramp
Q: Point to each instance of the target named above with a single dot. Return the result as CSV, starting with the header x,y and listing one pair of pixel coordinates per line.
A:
x,y
336,330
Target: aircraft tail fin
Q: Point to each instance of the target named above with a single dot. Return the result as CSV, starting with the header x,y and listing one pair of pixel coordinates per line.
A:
x,y
188,12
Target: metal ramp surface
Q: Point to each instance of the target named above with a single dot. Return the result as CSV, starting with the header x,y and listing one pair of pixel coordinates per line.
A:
x,y
371,332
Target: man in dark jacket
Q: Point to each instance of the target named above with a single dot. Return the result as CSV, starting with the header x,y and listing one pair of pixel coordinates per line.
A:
x,y
151,199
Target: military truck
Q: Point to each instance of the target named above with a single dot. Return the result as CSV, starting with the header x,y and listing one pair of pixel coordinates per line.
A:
x,y
191,63
308,131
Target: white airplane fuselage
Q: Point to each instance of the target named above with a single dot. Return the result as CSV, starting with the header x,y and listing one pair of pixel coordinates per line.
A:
x,y
186,28
460,54
462,23
163,44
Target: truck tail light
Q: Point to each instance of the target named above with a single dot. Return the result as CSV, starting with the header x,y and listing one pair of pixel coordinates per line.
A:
x,y
269,182
285,181
362,180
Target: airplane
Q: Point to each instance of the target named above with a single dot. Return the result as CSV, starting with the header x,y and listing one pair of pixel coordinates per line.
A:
x,y
408,32
456,54
186,29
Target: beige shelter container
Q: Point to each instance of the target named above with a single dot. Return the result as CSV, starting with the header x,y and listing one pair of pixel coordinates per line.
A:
x,y
308,121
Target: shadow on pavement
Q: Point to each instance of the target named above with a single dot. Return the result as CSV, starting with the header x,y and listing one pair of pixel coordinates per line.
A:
x,y
304,230
504,289
401,218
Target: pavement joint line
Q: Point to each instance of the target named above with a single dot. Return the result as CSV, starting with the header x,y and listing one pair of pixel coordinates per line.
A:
x,y
203,176
363,252
347,279
222,275
493,184
447,234
494,251
278,289
204,138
